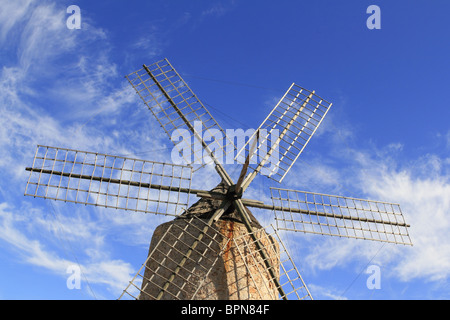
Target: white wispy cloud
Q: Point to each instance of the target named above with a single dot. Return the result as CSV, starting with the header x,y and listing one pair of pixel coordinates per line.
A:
x,y
12,13
336,164
421,187
97,268
326,293
48,97
218,9
61,87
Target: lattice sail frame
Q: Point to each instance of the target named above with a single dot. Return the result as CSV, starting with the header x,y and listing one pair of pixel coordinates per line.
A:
x,y
167,255
192,277
339,216
181,114
109,181
286,131
290,280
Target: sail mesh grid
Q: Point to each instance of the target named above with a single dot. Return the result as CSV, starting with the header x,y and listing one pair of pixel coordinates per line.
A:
x,y
285,132
248,278
178,263
181,114
283,266
318,213
109,181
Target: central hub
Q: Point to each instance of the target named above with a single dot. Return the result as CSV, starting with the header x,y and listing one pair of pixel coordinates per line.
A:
x,y
234,194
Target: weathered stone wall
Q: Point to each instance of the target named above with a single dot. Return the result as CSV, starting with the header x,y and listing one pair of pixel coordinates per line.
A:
x,y
238,273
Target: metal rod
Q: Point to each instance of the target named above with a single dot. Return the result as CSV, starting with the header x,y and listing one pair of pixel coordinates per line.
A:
x,y
323,214
117,181
224,175
215,195
252,175
244,215
198,192
214,218
315,128
247,162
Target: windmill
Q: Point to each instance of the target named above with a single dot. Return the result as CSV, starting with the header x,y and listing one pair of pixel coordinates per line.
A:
x,y
215,248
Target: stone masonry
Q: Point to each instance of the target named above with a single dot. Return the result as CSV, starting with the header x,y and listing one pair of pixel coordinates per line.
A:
x,y
225,265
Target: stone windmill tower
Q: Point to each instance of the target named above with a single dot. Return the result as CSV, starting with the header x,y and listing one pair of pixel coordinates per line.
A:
x,y
215,248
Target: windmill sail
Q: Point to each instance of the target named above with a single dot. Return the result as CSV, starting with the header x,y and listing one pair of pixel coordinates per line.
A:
x,y
286,131
109,181
181,257
339,216
181,114
217,266
293,286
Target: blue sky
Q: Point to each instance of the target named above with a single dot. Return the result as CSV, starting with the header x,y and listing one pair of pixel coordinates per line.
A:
x,y
386,137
